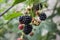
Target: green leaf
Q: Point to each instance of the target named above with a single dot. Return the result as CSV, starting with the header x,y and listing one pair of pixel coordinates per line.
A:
x,y
1,22
1,1
10,25
42,31
18,1
58,11
43,0
58,32
49,36
53,15
13,26
6,1
2,31
48,25
13,15
32,13
29,2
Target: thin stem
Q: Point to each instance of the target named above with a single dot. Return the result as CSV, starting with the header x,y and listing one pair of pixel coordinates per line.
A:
x,y
53,13
47,38
5,11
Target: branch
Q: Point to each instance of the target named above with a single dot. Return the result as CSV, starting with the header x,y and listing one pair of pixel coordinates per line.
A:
x,y
53,13
5,11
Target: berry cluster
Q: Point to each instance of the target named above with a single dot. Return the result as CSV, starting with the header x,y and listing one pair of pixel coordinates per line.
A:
x,y
26,19
36,8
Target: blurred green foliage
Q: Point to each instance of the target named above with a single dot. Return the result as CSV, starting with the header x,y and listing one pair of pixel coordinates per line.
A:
x,y
58,10
12,15
12,25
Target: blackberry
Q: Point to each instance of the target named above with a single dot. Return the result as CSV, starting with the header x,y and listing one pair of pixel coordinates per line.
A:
x,y
27,19
37,6
21,19
27,29
42,16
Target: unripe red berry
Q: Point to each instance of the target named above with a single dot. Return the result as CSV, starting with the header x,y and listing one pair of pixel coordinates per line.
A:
x,y
20,27
31,34
19,39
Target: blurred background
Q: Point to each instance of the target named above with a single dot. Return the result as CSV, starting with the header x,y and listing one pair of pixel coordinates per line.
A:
x,y
9,22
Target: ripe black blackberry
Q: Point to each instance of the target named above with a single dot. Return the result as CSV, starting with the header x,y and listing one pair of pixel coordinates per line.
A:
x,y
42,16
27,19
21,19
37,6
27,29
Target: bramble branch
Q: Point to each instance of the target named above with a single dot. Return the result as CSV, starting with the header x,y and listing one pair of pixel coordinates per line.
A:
x,y
5,11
